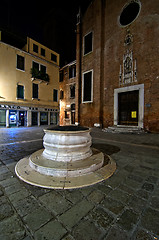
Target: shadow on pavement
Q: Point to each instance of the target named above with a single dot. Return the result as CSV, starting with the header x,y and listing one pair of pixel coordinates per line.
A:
x,y
106,148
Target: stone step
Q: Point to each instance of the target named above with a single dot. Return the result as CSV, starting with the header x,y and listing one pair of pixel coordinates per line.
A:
x,y
124,129
45,166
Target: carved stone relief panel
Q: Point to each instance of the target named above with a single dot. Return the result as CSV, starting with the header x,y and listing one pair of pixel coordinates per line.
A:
x,y
128,70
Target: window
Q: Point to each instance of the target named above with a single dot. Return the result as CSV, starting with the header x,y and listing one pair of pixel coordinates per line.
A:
x,y
43,69
61,76
129,13
43,72
72,91
34,118
20,62
53,57
36,66
88,86
35,48
88,46
39,71
2,117
55,95
53,118
72,71
20,91
43,118
72,106
43,52
61,94
35,90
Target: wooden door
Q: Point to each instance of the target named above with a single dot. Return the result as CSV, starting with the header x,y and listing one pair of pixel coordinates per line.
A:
x,y
128,108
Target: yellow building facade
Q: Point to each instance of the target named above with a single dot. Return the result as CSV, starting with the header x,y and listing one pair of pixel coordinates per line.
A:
x,y
29,85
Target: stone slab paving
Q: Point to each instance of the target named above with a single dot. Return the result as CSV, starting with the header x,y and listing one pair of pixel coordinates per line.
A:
x,y
125,206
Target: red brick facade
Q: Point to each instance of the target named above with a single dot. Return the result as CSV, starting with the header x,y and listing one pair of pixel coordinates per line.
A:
x,y
123,59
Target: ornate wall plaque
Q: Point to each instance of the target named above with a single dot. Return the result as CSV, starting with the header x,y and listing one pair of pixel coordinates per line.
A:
x,y
128,70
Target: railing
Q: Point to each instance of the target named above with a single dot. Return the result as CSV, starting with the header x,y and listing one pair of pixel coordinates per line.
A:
x,y
39,75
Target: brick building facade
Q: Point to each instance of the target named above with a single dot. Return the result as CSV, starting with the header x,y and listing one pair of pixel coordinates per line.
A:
x,y
68,94
29,85
117,64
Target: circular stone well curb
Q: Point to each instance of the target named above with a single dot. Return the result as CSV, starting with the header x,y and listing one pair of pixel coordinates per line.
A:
x,y
33,177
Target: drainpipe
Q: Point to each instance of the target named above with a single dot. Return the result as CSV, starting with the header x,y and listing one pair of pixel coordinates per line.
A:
x,y
78,62
102,60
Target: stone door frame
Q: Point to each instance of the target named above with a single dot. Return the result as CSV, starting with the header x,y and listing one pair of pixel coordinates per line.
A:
x,y
139,87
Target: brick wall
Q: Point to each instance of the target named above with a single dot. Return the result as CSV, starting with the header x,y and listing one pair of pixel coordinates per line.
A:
x,y
107,56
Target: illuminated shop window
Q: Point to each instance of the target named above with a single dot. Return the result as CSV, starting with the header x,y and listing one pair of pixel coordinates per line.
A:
x,y
43,118
2,117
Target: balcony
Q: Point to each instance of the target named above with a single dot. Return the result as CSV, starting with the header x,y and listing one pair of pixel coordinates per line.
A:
x,y
39,75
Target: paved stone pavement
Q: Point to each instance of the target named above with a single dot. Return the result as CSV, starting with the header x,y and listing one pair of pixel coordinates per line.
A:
x,y
126,206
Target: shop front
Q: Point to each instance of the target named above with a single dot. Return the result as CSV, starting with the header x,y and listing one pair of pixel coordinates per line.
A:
x,y
43,118
34,118
21,116
2,118
13,118
53,118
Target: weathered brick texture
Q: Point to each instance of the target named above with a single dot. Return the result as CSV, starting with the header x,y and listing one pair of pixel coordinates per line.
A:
x,y
101,18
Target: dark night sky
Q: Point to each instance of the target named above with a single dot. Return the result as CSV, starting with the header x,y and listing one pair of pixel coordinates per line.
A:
x,y
52,23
